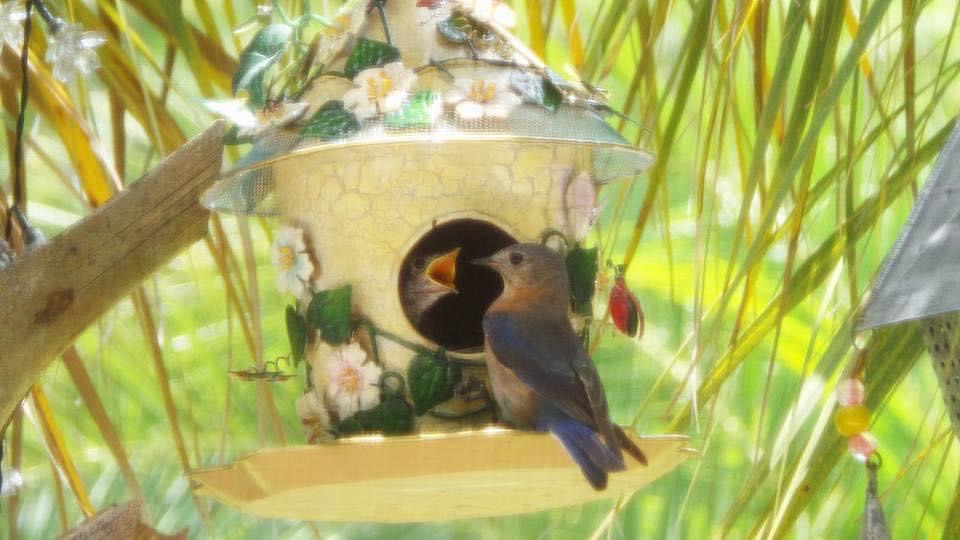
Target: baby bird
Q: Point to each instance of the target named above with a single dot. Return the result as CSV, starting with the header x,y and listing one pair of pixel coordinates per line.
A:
x,y
541,376
426,279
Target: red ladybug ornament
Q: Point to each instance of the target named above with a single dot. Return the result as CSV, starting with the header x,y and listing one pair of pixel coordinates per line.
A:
x,y
624,307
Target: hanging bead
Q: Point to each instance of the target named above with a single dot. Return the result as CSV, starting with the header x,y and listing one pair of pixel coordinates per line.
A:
x,y
862,445
625,310
850,392
852,419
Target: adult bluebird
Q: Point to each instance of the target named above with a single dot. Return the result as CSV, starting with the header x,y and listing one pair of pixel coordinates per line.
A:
x,y
541,376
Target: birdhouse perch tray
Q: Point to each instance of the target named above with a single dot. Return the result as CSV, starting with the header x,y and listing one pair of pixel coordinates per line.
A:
x,y
428,477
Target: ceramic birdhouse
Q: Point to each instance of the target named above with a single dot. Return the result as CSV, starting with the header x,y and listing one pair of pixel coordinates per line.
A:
x,y
426,137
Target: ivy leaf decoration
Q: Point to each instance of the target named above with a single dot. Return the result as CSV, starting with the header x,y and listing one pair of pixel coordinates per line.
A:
x,y
263,51
396,416
232,137
582,269
331,121
432,379
455,29
536,89
329,312
369,53
392,417
420,110
297,334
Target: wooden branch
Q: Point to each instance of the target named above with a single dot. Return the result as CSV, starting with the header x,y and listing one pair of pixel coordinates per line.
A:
x,y
123,521
55,291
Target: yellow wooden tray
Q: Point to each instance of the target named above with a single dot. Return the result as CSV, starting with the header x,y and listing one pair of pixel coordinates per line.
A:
x,y
428,477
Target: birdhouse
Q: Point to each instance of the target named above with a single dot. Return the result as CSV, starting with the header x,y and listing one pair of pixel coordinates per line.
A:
x,y
428,136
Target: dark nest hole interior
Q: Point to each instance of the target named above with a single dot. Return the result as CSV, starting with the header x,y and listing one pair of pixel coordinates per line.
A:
x,y
456,320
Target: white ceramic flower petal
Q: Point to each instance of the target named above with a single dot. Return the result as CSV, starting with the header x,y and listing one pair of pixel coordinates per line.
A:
x,y
454,96
392,102
369,397
303,268
358,100
581,200
296,286
394,70
233,110
282,283
470,110
463,85
361,79
353,354
504,16
502,105
371,372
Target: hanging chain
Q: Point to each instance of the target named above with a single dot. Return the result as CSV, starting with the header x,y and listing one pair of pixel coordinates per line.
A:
x,y
18,194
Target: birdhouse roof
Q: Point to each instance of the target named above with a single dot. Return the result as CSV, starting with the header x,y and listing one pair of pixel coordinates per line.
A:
x,y
440,71
921,276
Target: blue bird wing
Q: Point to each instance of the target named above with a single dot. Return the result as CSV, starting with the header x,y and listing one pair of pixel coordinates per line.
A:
x,y
546,355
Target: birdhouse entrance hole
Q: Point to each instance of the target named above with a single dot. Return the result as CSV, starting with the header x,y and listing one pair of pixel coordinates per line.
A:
x,y
456,320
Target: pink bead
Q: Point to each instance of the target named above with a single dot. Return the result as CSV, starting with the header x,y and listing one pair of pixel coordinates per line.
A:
x,y
850,392
862,445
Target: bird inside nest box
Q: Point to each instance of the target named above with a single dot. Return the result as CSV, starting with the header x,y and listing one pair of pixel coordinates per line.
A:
x,y
431,137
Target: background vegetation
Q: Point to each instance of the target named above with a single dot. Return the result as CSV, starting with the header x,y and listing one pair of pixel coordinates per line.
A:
x,y
791,136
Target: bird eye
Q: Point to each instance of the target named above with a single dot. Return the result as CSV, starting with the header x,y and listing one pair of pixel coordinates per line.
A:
x,y
419,263
516,258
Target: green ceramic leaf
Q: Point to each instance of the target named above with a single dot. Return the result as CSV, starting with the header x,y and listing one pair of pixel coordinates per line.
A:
x,y
432,379
420,110
368,53
582,268
297,334
455,29
396,416
535,89
392,417
329,312
263,51
350,426
331,121
232,137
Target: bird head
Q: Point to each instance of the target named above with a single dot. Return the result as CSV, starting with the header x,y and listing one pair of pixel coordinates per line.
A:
x,y
427,279
530,268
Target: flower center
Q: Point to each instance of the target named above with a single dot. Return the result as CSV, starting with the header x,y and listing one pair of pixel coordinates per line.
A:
x,y
378,88
482,91
349,378
287,258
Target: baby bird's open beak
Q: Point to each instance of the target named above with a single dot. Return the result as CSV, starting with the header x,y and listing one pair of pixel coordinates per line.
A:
x,y
443,270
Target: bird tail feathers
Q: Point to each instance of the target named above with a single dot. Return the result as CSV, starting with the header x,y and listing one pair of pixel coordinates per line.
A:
x,y
584,445
629,446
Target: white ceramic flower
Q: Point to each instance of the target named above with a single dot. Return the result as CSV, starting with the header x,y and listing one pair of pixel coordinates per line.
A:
x,y
489,11
12,15
313,415
289,255
71,50
345,24
480,98
352,385
251,124
379,90
580,206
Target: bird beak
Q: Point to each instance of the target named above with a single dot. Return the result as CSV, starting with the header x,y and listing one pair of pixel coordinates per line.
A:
x,y
443,270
